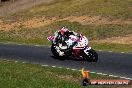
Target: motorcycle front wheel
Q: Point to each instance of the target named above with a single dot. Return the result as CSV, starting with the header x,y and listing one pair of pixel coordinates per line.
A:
x,y
56,54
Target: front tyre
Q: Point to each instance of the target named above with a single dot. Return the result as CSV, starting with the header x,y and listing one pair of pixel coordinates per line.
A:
x,y
56,54
91,55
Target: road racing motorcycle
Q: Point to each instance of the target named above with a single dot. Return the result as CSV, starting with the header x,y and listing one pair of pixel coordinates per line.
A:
x,y
80,48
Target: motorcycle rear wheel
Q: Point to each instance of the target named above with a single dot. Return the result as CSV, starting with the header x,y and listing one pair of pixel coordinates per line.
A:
x,y
92,56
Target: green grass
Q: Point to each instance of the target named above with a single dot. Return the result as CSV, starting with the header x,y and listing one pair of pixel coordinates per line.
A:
x,y
121,9
36,35
39,35
112,47
19,75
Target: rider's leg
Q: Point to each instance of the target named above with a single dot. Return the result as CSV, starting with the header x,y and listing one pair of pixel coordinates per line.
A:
x,y
59,51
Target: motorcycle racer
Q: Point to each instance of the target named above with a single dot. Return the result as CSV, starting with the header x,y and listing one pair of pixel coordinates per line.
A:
x,y
67,44
60,37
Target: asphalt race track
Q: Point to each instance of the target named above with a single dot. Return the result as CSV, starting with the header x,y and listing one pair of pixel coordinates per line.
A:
x,y
109,63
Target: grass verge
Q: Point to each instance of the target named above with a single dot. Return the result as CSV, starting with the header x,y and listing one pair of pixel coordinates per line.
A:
x,y
112,47
39,35
19,75
91,31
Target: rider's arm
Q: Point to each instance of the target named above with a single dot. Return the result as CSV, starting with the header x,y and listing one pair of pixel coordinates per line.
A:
x,y
57,37
71,33
75,33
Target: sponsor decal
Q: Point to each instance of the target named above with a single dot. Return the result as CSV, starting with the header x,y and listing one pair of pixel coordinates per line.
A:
x,y
86,81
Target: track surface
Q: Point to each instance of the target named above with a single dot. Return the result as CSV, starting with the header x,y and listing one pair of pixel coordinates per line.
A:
x,y
109,62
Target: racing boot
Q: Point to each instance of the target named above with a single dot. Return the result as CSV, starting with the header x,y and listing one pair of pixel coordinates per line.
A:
x,y
59,51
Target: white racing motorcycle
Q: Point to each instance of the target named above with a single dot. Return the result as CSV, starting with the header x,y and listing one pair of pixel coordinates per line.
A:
x,y
80,49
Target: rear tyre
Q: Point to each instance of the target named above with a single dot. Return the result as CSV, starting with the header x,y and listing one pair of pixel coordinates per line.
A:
x,y
92,56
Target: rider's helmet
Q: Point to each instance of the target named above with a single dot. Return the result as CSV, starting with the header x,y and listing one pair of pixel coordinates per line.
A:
x,y
63,30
